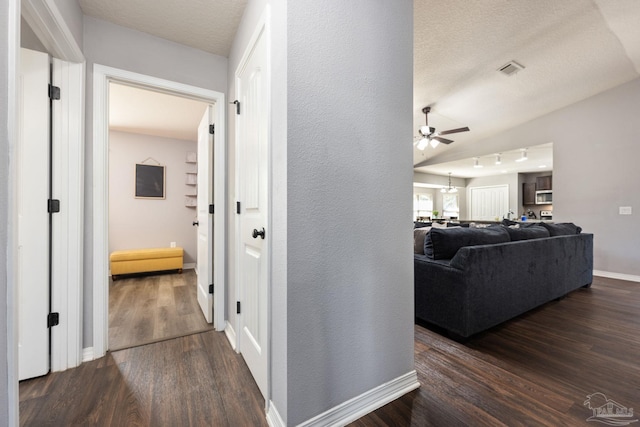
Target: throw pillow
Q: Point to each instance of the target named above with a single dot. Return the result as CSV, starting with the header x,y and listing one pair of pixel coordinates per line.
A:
x,y
527,233
418,239
443,243
562,228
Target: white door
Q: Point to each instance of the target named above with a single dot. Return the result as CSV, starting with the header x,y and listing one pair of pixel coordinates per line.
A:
x,y
252,151
204,262
489,203
33,217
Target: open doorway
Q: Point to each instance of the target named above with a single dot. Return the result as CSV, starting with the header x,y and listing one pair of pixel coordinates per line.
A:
x,y
153,131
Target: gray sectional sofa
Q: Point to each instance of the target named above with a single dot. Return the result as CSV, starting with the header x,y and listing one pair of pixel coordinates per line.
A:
x,y
469,280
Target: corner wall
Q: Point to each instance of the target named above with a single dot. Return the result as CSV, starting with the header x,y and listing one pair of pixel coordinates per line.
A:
x,y
349,200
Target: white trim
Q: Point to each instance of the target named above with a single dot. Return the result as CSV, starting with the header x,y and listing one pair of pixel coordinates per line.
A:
x,y
102,75
189,266
44,17
13,63
68,224
620,276
231,336
87,354
273,417
365,403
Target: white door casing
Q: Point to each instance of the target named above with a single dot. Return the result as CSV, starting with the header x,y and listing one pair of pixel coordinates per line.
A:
x,y
252,150
102,75
33,218
489,203
205,219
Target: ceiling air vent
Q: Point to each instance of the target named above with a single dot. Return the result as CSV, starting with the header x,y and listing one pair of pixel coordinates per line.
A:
x,y
510,68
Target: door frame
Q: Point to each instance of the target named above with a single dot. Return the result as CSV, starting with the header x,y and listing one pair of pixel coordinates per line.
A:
x,y
263,26
102,76
49,26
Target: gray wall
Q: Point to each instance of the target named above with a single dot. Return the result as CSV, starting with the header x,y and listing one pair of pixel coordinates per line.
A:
x,y
595,151
123,48
70,10
349,263
143,223
6,387
28,38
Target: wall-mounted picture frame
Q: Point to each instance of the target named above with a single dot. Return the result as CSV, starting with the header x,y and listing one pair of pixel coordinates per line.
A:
x,y
150,181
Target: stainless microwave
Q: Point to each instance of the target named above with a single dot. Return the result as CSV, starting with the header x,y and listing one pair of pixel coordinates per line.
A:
x,y
544,197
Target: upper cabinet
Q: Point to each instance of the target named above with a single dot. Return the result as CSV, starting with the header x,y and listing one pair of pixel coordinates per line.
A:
x,y
529,193
544,183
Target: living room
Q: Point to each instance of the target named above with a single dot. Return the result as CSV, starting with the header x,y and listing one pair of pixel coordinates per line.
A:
x,y
594,175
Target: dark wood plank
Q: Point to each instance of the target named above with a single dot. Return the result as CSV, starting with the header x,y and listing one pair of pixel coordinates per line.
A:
x,y
195,380
150,308
536,369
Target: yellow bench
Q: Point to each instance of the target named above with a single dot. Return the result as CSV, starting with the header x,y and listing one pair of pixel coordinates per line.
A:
x,y
145,260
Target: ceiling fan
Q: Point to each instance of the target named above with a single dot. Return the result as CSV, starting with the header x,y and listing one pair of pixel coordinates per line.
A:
x,y
430,136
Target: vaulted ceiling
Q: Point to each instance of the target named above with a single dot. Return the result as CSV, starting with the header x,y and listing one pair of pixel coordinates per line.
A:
x,y
570,50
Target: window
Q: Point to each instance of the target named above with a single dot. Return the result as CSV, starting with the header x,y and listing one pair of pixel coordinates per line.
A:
x,y
450,206
422,206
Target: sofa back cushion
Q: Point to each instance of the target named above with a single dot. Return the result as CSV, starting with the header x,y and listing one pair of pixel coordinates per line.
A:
x,y
418,239
443,243
562,228
535,232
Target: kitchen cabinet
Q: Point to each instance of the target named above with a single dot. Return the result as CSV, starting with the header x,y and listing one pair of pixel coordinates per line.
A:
x,y
529,193
544,183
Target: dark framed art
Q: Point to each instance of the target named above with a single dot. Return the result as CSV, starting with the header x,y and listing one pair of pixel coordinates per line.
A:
x,y
150,181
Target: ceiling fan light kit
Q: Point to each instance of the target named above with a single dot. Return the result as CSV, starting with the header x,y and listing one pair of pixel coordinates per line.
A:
x,y
430,135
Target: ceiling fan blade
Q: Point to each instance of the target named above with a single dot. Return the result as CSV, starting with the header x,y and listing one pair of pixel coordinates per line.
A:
x,y
443,140
447,132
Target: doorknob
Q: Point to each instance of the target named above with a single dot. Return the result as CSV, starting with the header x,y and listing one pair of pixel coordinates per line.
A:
x,y
257,233
196,223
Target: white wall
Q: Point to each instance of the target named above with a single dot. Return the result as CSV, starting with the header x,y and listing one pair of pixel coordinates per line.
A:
x,y
510,179
143,223
123,48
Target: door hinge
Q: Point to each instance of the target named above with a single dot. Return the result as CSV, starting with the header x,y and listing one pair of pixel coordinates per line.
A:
x,y
237,106
211,209
53,319
53,206
54,92
212,129
211,288
237,307
237,207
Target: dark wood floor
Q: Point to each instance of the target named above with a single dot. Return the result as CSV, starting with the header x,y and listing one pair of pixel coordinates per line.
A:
x,y
151,308
536,370
197,380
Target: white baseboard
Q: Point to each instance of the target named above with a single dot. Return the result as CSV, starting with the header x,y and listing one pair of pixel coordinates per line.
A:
x,y
87,354
231,335
189,266
273,417
365,403
620,276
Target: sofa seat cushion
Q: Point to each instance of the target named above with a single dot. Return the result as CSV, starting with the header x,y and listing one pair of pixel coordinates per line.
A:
x,y
527,233
443,243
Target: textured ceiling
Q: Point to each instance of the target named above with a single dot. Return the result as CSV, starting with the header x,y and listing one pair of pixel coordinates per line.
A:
x,y
151,113
570,49
208,25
